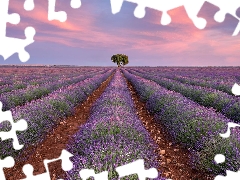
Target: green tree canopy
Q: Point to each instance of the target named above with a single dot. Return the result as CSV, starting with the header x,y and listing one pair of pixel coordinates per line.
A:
x,y
120,59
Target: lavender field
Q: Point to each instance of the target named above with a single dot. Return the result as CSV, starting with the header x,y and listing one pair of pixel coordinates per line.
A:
x,y
191,104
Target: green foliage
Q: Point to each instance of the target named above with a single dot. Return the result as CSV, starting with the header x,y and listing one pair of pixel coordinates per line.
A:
x,y
19,86
120,59
60,106
215,146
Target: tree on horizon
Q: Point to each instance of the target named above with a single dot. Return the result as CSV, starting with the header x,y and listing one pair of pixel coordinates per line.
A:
x,y
120,59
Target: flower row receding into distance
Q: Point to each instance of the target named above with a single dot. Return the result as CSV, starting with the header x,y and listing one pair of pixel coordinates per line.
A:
x,y
21,96
224,103
113,135
44,114
194,126
25,80
217,78
15,75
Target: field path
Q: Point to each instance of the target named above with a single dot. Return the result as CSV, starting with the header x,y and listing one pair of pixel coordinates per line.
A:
x,y
56,141
174,162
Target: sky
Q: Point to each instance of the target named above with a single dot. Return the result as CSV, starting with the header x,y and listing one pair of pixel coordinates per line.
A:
x,y
92,34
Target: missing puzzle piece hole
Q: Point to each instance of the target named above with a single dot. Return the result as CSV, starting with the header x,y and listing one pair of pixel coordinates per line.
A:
x,y
88,173
139,11
8,162
28,170
75,4
116,5
229,126
14,18
22,125
29,33
236,89
166,19
229,176
29,5
219,158
219,16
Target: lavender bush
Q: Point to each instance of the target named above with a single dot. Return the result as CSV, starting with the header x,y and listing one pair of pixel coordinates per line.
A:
x,y
194,126
113,135
32,92
43,114
222,102
217,78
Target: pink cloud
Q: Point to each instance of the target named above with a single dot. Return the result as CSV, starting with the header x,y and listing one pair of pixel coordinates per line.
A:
x,y
40,15
180,41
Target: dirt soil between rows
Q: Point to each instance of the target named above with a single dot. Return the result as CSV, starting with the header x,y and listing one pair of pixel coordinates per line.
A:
x,y
174,159
56,141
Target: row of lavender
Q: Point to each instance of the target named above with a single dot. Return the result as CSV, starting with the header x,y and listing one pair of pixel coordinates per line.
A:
x,y
19,79
221,80
221,85
226,104
19,74
36,80
13,78
194,126
32,92
205,73
113,135
45,113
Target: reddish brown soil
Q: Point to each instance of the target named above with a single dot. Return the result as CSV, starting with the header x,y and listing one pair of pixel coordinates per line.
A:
x,y
56,141
174,160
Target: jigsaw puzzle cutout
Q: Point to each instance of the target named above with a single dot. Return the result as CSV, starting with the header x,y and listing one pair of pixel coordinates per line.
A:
x,y
230,176
29,5
209,11
220,158
52,14
192,8
230,125
236,89
8,162
9,46
87,173
136,167
76,4
20,125
66,166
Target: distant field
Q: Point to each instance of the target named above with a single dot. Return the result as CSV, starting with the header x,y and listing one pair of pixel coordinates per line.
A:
x,y
191,105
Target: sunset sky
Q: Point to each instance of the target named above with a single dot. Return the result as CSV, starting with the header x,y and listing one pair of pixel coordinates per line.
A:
x,y
92,34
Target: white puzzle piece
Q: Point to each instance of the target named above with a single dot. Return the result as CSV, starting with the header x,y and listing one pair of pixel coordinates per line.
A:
x,y
192,8
8,45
